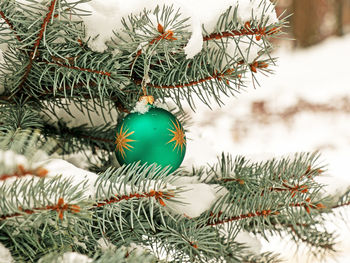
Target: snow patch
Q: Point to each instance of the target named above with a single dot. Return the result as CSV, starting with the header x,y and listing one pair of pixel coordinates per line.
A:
x,y
253,244
9,161
195,43
194,199
84,179
74,257
161,105
105,244
5,255
141,107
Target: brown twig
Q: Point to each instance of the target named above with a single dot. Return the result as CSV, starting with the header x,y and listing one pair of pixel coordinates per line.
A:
x,y
81,69
340,205
93,138
60,207
167,35
34,53
307,205
158,195
293,189
246,31
324,246
21,171
10,25
263,213
217,76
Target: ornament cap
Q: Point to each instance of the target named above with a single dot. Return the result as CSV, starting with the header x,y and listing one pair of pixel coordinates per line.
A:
x,y
149,99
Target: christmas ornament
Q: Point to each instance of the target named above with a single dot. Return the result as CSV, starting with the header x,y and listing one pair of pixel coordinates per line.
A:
x,y
156,136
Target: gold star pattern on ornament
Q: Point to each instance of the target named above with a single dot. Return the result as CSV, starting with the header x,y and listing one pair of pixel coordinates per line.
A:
x,y
179,135
122,141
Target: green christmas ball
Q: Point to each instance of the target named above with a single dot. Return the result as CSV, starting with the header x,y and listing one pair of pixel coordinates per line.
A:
x,y
156,136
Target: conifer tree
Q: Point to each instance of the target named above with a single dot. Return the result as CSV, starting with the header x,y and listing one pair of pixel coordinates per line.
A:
x,y
58,68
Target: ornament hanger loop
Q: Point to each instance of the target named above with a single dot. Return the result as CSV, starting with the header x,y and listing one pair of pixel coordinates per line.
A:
x,y
145,79
148,98
144,87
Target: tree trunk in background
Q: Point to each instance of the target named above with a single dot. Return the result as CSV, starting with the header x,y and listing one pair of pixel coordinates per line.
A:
x,y
307,21
346,16
339,6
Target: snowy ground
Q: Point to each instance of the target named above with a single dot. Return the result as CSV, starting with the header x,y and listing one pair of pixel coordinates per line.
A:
x,y
304,106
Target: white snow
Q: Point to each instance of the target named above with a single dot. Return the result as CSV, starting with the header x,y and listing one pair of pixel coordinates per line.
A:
x,y
161,105
194,200
74,257
253,244
195,43
194,197
105,244
106,17
5,255
141,107
80,177
10,160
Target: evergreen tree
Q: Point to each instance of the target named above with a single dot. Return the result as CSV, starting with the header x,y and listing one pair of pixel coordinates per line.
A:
x,y
55,69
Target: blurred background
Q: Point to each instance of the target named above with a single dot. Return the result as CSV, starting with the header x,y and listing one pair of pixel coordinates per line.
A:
x,y
315,20
303,107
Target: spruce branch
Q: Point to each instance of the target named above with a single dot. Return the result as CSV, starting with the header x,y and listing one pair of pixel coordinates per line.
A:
x,y
314,238
20,117
79,138
54,55
50,69
343,200
167,68
263,195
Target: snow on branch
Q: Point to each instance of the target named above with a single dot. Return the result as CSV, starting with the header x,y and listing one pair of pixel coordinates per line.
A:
x,y
150,201
110,13
125,40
